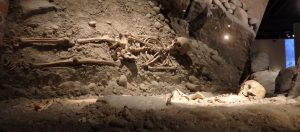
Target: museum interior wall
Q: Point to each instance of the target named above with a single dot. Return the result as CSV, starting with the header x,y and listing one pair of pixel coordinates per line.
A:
x,y
275,48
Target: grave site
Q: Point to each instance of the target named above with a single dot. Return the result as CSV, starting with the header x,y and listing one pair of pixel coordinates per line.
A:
x,y
141,65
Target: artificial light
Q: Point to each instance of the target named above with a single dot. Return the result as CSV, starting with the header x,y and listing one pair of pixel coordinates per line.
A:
x,y
226,37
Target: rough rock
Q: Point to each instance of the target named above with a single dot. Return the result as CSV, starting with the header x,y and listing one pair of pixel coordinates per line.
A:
x,y
121,123
223,1
148,124
226,5
232,6
156,9
148,15
241,15
151,3
178,6
200,56
167,21
266,79
230,11
284,80
92,86
92,23
237,3
219,4
260,62
244,6
34,7
161,17
253,21
252,90
193,79
158,25
193,87
122,81
202,28
209,1
217,59
295,90
198,8
109,22
200,23
167,28
143,87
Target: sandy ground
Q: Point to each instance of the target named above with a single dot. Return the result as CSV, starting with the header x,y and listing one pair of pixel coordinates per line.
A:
x,y
96,114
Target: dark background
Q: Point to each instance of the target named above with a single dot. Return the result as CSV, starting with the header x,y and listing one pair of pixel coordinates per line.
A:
x,y
279,18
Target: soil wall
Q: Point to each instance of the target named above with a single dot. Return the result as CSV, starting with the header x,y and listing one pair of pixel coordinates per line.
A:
x,y
3,12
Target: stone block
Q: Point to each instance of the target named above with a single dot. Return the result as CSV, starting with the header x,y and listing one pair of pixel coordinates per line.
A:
x,y
35,7
284,80
260,62
266,79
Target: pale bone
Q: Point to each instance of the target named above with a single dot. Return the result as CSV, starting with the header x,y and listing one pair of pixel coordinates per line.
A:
x,y
252,90
42,106
151,61
76,61
180,44
47,41
161,68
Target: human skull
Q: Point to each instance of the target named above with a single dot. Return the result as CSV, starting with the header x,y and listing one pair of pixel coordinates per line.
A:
x,y
252,90
182,45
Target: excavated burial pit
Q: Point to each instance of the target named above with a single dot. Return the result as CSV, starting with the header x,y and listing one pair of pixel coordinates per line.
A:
x,y
48,109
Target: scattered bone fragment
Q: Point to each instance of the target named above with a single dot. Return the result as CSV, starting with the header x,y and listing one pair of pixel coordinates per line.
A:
x,y
43,105
200,95
177,97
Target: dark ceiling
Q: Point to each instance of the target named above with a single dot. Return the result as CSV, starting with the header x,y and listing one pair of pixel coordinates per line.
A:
x,y
279,18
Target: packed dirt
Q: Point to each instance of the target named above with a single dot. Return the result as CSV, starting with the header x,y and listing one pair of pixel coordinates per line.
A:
x,y
71,20
112,18
72,98
91,115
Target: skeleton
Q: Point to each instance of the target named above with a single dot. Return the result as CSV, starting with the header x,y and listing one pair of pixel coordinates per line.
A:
x,y
154,54
252,90
17,65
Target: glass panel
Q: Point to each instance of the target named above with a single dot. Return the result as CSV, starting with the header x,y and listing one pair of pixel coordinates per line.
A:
x,y
289,53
